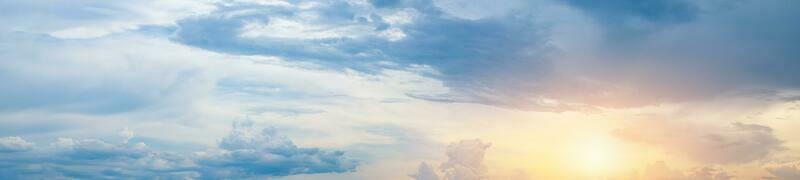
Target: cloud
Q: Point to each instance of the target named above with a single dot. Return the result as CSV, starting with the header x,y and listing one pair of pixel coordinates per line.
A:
x,y
14,144
93,18
126,134
81,158
56,75
738,143
626,18
660,170
511,59
425,172
464,162
784,171
245,153
91,149
488,53
493,60
667,51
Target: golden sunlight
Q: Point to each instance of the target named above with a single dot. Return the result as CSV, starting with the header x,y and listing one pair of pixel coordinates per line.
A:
x,y
595,156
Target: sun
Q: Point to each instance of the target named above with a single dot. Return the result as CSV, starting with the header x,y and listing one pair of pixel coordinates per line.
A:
x,y
595,155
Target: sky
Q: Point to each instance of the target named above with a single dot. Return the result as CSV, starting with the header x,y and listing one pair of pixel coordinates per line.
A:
x,y
400,89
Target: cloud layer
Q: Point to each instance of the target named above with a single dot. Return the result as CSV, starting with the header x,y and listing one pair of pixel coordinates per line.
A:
x,y
246,152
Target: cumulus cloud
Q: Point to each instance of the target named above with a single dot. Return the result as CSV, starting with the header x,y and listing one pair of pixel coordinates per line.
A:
x,y
245,153
249,151
14,144
738,143
464,162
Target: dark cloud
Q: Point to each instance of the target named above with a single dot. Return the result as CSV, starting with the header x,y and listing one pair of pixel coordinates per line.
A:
x,y
738,143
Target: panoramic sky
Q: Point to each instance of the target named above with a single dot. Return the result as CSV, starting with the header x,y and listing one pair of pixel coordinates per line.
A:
x,y
400,89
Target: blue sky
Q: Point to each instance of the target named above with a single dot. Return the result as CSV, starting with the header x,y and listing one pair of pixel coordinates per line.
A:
x,y
398,89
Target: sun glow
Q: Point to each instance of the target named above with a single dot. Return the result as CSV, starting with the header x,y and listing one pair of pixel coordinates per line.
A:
x,y
596,156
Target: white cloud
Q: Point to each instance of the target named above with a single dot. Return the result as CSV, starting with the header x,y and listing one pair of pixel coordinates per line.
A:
x,y
14,144
464,162
126,134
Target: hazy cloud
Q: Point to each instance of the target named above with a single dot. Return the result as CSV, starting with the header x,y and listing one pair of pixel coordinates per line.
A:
x,y
784,171
660,170
738,143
